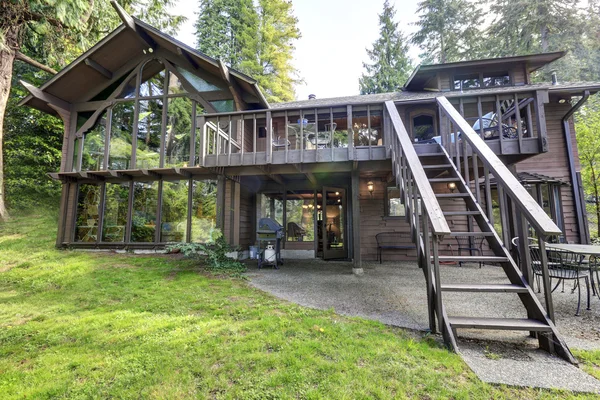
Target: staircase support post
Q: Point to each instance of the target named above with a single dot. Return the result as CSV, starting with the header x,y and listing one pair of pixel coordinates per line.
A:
x,y
357,261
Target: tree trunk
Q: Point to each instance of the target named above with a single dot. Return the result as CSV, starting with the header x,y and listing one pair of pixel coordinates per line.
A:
x,y
7,58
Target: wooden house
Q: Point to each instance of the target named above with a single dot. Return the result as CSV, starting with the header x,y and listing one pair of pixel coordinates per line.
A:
x,y
154,128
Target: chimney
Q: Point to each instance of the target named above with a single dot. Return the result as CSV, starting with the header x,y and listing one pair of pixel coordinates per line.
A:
x,y
312,97
554,78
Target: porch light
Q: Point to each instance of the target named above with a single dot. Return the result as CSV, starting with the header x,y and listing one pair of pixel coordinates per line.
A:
x,y
337,193
339,200
562,101
452,186
370,187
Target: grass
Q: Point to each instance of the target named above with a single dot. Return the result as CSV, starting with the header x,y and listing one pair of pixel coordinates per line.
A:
x,y
97,325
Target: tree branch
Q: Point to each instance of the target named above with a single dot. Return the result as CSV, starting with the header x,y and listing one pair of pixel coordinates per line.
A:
x,y
31,61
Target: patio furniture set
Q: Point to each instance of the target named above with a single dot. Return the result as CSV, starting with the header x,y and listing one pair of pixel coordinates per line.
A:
x,y
566,262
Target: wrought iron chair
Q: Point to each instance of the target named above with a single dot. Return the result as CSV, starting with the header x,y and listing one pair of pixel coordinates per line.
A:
x,y
562,265
530,241
594,268
470,244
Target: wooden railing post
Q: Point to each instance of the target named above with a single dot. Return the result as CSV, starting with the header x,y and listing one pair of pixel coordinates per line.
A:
x,y
546,277
269,144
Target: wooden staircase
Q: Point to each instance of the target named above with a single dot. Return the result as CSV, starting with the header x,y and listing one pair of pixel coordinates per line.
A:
x,y
430,226
445,171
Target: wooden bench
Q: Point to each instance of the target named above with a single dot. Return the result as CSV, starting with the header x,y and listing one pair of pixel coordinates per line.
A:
x,y
392,241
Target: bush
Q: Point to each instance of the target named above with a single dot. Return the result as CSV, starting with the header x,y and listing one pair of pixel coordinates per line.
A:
x,y
214,254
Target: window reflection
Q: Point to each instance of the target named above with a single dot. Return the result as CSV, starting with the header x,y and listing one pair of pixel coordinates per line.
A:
x,y
88,201
121,134
93,146
204,210
174,211
178,132
115,212
148,135
145,202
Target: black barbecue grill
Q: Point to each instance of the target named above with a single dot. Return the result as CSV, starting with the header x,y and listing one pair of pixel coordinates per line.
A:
x,y
269,232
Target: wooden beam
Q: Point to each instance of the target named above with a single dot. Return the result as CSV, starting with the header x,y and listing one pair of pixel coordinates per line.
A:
x,y
240,105
183,53
98,68
356,257
129,22
46,97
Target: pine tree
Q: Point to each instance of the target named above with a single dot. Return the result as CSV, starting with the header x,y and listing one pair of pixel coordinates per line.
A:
x,y
526,26
225,29
257,39
391,64
448,30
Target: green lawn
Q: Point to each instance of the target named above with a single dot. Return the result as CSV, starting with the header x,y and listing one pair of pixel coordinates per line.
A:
x,y
99,325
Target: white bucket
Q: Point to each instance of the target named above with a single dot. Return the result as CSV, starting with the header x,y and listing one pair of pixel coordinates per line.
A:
x,y
270,254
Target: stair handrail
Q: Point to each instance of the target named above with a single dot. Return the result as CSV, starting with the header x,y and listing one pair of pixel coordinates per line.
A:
x,y
518,194
439,226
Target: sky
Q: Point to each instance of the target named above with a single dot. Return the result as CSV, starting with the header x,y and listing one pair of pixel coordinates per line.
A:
x,y
335,34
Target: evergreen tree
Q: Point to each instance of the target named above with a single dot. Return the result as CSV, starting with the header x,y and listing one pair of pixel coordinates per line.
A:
x,y
448,30
391,64
526,26
257,39
54,32
225,29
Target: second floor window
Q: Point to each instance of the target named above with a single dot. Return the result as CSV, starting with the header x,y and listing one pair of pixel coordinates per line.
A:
x,y
481,80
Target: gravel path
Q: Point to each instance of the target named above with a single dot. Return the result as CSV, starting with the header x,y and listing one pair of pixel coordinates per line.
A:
x,y
394,294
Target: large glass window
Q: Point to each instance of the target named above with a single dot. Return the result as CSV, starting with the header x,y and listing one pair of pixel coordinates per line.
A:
x,y
120,135
394,204
271,206
153,79
145,202
148,135
115,212
174,211
88,201
204,210
93,146
300,216
178,132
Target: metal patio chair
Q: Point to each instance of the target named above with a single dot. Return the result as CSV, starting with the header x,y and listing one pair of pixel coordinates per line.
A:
x,y
470,244
562,265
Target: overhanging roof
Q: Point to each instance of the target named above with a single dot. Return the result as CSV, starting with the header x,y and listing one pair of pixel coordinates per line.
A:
x,y
78,82
533,62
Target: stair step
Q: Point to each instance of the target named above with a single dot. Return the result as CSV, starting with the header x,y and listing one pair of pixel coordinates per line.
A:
x,y
487,288
511,324
440,180
473,234
451,213
437,166
451,195
473,259
431,155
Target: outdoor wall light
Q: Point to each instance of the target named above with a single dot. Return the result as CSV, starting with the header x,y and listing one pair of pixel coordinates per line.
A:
x,y
452,186
562,101
370,187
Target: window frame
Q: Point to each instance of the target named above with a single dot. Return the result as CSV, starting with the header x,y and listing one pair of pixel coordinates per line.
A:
x,y
386,203
481,79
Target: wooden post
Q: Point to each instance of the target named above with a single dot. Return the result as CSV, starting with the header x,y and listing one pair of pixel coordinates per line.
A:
x,y
427,267
221,203
350,133
357,262
192,158
500,120
202,145
269,144
546,277
519,124
541,97
188,228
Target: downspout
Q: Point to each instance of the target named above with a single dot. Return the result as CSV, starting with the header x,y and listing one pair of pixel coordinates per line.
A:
x,y
572,172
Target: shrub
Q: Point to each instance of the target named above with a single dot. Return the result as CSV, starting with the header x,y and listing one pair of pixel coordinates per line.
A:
x,y
214,254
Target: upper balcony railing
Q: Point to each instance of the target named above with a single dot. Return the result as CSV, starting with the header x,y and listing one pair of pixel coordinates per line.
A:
x,y
292,136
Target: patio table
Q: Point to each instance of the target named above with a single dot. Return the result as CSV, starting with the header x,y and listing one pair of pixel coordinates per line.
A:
x,y
584,250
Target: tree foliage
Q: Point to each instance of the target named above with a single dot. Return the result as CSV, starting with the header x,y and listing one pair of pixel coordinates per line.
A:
x,y
255,38
587,130
54,33
391,65
448,30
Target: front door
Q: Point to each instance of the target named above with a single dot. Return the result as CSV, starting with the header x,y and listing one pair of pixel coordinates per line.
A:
x,y
333,229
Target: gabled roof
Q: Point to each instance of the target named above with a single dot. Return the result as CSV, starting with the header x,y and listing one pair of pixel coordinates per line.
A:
x,y
533,62
89,74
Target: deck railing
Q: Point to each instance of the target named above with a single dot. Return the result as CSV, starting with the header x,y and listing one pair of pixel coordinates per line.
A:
x,y
476,155
511,124
293,136
427,222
